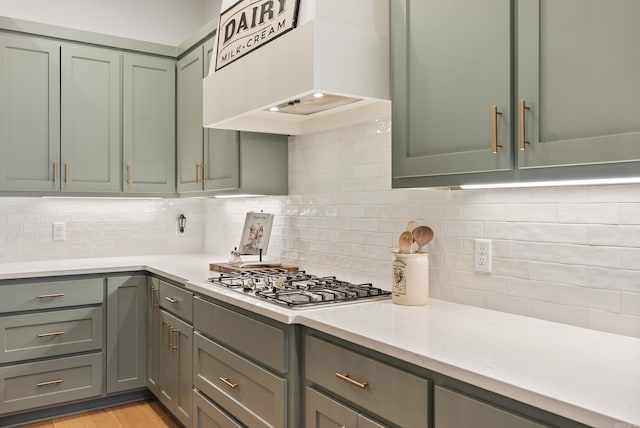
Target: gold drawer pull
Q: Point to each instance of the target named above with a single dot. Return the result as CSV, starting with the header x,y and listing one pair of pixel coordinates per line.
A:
x,y
172,299
55,333
228,382
55,173
346,378
50,382
66,173
48,296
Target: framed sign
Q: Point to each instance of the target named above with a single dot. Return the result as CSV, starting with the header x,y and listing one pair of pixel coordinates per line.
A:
x,y
249,24
256,233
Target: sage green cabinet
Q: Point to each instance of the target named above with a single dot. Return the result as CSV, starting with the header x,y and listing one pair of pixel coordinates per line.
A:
x,y
175,385
324,412
148,139
91,119
30,112
451,65
388,392
455,410
170,348
564,101
190,71
578,67
126,333
219,160
153,335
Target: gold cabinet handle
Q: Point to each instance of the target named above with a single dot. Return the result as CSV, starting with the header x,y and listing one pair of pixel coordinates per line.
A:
x,y
129,175
55,173
494,129
154,303
172,299
175,340
54,333
66,173
346,378
227,382
48,296
50,382
197,173
522,141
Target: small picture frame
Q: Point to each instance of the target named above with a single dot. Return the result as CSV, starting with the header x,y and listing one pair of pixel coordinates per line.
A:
x,y
256,233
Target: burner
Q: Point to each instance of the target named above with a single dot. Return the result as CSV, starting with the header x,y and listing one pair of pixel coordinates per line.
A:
x,y
297,289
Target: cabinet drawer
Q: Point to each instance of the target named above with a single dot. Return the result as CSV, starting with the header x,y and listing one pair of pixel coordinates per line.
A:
x,y
176,300
208,415
44,383
46,334
263,342
252,395
453,410
391,393
51,294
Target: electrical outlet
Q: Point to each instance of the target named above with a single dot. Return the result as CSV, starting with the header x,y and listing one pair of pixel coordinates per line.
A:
x,y
58,232
482,255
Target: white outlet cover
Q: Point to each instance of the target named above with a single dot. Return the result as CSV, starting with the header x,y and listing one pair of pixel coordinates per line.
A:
x,y
482,256
58,231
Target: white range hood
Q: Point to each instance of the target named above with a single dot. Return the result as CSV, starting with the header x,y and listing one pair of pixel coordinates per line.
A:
x,y
339,48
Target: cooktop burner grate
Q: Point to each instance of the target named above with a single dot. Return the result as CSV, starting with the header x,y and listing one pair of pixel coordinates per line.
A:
x,y
298,289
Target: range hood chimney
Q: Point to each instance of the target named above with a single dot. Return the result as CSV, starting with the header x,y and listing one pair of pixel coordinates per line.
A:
x,y
331,70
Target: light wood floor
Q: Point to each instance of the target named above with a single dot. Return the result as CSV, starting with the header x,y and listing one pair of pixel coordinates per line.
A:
x,y
139,415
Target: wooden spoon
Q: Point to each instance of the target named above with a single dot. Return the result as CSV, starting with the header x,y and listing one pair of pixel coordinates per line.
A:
x,y
422,235
405,242
412,225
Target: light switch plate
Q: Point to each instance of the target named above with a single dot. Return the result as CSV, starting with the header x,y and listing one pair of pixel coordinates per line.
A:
x,y
58,231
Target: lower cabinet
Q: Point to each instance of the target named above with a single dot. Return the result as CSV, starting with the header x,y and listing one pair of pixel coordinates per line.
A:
x,y
386,392
455,410
241,370
126,333
175,385
324,412
170,347
51,342
43,383
208,415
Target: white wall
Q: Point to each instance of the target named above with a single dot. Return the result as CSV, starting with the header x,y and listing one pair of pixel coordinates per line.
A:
x,y
166,22
570,255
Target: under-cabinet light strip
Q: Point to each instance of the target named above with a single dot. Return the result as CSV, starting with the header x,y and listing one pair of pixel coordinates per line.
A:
x,y
584,182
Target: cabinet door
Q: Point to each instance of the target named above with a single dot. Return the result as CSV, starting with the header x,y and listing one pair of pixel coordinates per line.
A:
x,y
176,364
221,148
30,112
578,68
153,335
126,333
90,120
323,412
454,410
149,124
451,64
190,130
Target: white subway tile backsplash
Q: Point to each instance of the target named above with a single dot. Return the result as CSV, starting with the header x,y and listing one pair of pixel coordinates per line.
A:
x,y
564,254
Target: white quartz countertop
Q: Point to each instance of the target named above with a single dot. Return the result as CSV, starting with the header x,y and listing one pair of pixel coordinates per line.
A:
x,y
585,375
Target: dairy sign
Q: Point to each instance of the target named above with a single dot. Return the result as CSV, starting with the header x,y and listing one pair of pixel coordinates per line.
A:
x,y
249,24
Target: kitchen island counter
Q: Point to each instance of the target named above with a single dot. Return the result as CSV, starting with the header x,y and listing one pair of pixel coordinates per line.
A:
x,y
585,375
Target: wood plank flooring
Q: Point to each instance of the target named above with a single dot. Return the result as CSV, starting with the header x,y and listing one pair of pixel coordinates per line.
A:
x,y
139,415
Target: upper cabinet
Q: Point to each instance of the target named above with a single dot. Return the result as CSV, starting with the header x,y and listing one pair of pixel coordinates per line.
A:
x,y
148,139
91,119
496,91
217,160
29,114
578,83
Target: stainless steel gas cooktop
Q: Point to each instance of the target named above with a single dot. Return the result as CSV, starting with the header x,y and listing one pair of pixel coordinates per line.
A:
x,y
298,289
